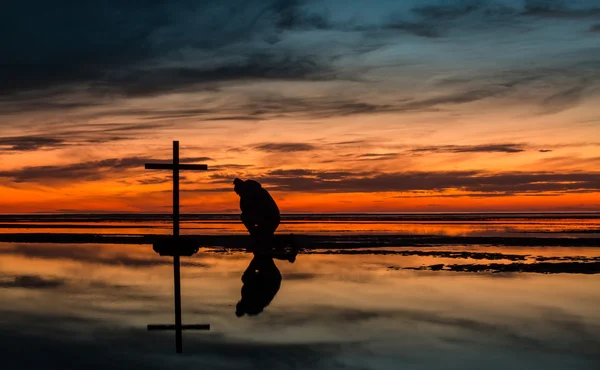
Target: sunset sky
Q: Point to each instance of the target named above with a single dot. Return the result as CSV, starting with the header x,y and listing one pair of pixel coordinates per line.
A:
x,y
333,105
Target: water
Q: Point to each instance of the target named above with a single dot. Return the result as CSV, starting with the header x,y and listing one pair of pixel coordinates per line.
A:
x,y
87,305
581,225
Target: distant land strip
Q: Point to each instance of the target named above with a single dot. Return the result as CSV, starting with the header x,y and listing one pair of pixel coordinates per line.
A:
x,y
540,268
305,241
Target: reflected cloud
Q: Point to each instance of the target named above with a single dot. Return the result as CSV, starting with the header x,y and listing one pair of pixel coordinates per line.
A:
x,y
30,282
91,254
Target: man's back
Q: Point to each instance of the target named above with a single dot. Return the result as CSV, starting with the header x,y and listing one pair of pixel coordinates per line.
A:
x,y
255,200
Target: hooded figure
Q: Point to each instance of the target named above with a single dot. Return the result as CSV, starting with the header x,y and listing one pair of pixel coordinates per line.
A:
x,y
260,213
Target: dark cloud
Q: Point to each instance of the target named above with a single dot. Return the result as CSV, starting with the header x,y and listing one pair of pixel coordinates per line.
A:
x,y
556,88
74,134
324,175
446,11
154,181
229,166
87,254
30,282
285,147
377,156
435,19
468,181
84,171
55,141
595,28
484,148
545,150
292,16
195,159
464,97
266,106
256,67
419,29
353,142
121,47
65,56
564,99
559,9
293,173
233,118
29,143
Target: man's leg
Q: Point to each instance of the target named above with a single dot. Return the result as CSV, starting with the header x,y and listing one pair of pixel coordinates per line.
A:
x,y
253,230
265,231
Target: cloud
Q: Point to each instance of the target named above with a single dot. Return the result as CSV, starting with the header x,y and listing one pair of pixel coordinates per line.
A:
x,y
292,16
377,156
185,46
466,181
56,140
564,99
30,282
154,181
483,148
463,97
559,9
84,171
595,28
128,50
29,143
265,106
86,254
285,147
447,12
256,67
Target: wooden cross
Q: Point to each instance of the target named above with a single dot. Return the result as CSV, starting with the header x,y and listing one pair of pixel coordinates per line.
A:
x,y
176,167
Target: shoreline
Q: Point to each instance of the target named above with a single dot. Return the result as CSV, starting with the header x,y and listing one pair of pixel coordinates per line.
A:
x,y
304,241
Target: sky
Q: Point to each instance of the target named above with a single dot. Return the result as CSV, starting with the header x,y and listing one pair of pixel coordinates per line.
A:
x,y
333,105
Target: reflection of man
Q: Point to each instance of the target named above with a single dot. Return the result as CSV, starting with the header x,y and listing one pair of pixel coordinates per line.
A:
x,y
262,280
260,213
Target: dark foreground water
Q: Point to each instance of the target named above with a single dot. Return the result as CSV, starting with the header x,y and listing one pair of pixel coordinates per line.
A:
x,y
438,306
71,306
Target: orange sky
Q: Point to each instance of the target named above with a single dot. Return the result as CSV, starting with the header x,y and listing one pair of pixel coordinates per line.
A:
x,y
364,163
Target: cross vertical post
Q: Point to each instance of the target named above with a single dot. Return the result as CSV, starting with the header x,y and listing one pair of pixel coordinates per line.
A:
x,y
176,243
176,262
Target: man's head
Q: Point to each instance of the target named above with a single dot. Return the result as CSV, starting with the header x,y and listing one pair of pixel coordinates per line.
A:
x,y
238,185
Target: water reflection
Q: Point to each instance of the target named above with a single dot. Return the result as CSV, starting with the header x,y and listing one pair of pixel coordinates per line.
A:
x,y
74,306
496,227
262,280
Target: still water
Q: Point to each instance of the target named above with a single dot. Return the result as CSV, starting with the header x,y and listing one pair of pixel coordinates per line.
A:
x,y
87,306
582,225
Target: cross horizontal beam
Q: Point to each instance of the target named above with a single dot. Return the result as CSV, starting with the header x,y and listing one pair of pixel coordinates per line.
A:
x,y
169,166
183,327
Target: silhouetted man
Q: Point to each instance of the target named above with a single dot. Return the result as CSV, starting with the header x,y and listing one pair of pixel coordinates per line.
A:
x,y
262,281
260,213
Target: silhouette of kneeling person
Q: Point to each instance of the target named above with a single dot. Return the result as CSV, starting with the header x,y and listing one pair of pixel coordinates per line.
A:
x,y
262,280
260,213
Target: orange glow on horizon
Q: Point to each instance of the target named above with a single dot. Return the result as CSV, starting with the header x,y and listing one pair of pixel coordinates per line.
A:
x,y
103,198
